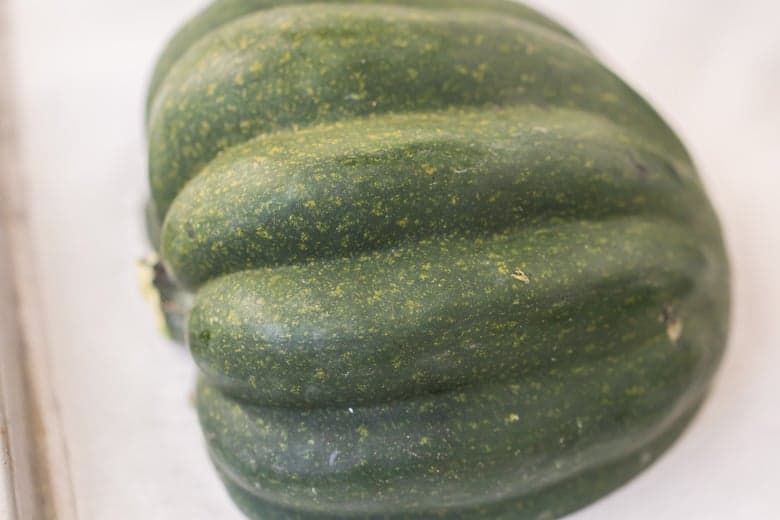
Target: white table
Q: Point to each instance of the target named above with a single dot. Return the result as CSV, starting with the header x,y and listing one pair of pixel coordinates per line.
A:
x,y
127,442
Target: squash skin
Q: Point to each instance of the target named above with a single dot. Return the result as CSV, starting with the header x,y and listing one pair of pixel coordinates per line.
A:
x,y
227,89
496,293
221,12
536,494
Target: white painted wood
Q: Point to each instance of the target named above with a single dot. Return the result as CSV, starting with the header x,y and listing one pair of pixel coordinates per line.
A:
x,y
7,501
7,506
19,497
131,445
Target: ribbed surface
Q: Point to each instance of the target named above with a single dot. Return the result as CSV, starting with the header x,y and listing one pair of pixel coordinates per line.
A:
x,y
222,12
443,261
362,185
292,67
439,315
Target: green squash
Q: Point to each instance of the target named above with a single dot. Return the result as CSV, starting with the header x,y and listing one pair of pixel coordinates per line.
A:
x,y
437,261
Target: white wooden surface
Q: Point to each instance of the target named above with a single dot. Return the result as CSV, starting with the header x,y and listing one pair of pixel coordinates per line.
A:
x,y
132,446
5,482
6,492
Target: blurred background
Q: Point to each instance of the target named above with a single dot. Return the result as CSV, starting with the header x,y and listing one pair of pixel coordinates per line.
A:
x,y
123,438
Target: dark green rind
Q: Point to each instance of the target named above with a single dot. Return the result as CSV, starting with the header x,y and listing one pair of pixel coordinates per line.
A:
x,y
363,185
465,455
222,12
296,67
445,264
547,504
446,313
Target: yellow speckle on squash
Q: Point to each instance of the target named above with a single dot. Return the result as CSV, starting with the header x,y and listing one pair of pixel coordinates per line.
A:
x,y
479,73
674,329
520,276
609,97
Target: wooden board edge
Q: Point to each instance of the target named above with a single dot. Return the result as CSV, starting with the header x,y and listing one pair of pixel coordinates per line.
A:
x,y
37,476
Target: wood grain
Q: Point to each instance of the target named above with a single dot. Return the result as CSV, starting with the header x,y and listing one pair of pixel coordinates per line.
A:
x,y
25,436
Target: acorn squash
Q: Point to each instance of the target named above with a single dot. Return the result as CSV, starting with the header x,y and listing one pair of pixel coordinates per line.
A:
x,y
439,262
